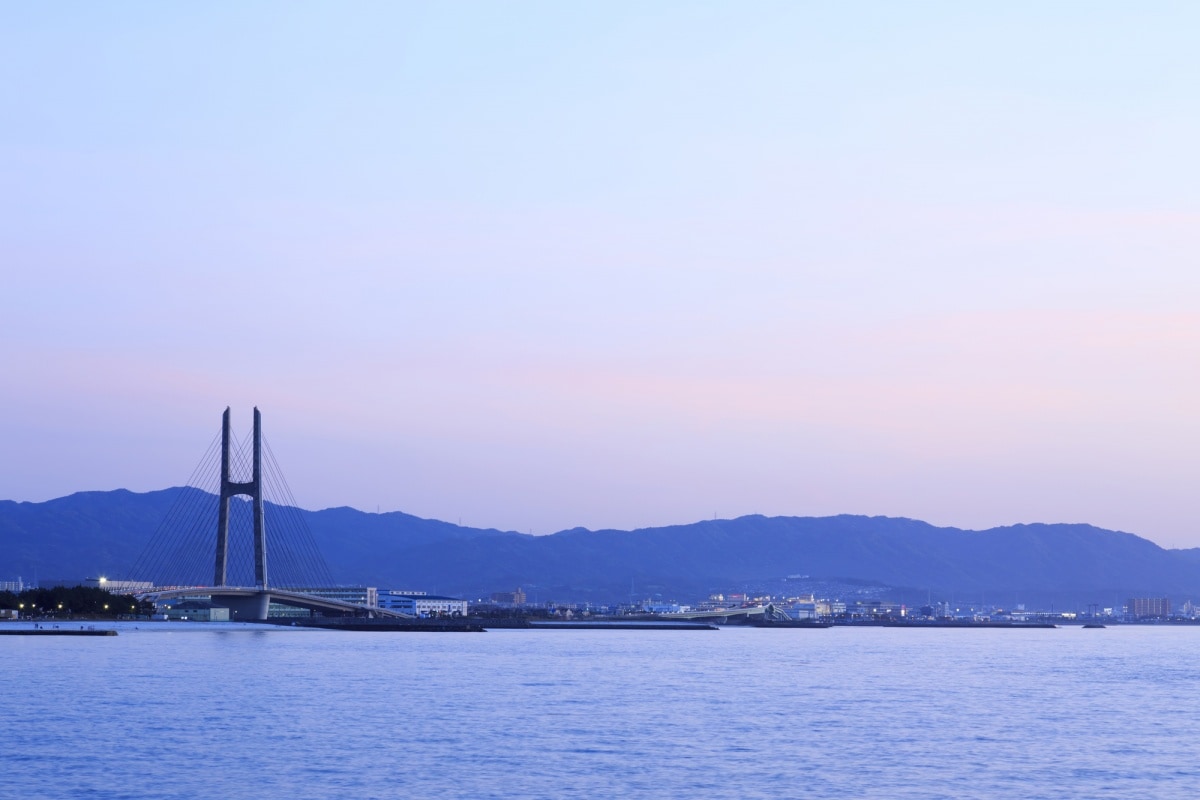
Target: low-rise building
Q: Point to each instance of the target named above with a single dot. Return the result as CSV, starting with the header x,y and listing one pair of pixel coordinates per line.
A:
x,y
420,604
195,610
664,608
359,595
802,610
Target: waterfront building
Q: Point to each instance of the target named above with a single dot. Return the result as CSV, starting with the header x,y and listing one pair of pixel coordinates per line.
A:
x,y
869,609
1148,607
664,608
420,604
516,598
802,609
359,595
195,610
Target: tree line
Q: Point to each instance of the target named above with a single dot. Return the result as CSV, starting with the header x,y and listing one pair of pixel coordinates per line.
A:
x,y
64,601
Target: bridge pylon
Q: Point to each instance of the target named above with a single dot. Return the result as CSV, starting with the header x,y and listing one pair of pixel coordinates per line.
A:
x,y
252,489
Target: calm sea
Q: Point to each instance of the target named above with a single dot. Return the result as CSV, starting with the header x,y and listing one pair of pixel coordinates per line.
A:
x,y
194,712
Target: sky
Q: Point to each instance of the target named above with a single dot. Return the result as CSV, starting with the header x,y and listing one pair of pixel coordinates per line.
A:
x,y
538,265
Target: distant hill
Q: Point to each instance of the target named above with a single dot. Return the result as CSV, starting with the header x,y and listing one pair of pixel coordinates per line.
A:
x,y
93,533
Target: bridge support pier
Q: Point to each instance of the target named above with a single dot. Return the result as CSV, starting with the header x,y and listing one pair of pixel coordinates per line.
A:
x,y
245,608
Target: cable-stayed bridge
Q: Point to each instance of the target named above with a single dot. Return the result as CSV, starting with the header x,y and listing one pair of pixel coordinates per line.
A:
x,y
235,535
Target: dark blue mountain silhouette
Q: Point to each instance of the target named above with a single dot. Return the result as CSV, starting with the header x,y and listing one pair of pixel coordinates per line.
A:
x,y
93,533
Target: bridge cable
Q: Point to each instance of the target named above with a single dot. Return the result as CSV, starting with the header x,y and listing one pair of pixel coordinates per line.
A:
x,y
290,528
152,562
309,554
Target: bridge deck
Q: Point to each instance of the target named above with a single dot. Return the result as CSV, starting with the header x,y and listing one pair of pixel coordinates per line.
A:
x,y
282,596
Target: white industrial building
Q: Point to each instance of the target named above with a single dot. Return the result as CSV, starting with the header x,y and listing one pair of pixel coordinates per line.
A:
x,y
420,604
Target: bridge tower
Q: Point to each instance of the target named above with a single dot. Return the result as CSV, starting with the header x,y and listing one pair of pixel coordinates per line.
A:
x,y
257,607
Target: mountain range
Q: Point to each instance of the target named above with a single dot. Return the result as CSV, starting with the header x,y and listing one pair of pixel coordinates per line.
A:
x,y
93,533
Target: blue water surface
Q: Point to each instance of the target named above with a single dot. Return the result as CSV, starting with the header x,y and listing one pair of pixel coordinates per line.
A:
x,y
192,711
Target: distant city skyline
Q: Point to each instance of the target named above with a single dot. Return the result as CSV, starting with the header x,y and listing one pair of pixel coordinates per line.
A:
x,y
534,266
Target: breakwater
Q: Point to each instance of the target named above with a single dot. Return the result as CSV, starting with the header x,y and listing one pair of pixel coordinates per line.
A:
x,y
54,632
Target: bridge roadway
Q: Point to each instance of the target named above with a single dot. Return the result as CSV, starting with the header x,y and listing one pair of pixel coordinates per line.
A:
x,y
719,614
250,603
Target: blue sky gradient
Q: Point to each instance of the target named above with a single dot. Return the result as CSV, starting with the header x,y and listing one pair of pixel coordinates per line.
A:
x,y
538,265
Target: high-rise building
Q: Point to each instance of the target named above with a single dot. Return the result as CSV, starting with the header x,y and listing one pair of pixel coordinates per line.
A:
x,y
1148,607
516,598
